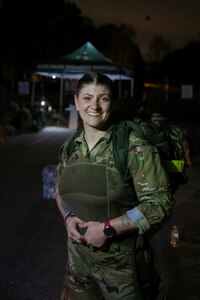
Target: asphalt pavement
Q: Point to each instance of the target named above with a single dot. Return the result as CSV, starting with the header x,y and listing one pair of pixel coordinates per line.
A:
x,y
33,239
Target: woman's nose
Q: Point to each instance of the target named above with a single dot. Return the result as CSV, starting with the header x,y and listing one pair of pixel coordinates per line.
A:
x,y
95,103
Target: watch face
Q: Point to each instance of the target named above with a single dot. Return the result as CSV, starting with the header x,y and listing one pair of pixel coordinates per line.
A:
x,y
109,231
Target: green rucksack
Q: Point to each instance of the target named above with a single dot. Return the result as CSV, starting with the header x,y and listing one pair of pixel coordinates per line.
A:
x,y
167,138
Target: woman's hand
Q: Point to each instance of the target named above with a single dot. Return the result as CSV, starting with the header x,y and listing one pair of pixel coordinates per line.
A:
x,y
94,235
72,224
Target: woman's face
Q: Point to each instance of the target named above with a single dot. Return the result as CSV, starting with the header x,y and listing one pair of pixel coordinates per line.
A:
x,y
94,105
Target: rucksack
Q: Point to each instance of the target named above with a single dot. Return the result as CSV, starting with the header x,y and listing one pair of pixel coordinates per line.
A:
x,y
167,138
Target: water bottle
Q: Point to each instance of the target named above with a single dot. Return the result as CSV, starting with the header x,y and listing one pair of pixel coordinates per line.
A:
x,y
175,236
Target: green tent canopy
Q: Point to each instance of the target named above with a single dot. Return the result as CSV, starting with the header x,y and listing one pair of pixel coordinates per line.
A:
x,y
87,54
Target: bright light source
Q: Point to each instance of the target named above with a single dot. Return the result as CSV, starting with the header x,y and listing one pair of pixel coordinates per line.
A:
x,y
42,103
53,76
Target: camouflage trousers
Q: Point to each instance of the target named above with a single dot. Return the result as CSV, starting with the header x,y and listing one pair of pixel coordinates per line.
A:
x,y
100,274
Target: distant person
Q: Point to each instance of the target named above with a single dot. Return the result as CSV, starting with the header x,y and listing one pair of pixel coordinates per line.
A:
x,y
73,115
186,147
144,110
103,216
23,119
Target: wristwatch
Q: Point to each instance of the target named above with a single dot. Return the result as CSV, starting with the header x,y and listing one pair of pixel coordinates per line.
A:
x,y
109,231
67,216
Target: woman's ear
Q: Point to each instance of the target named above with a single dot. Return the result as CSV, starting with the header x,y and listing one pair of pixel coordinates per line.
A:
x,y
76,102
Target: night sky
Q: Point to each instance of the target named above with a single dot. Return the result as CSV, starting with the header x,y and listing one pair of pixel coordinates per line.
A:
x,y
177,20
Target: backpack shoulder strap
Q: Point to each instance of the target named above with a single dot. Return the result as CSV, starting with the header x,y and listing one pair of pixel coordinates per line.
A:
x,y
70,144
68,148
120,148
121,144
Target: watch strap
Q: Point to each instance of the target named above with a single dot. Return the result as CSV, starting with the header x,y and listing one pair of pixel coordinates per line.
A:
x,y
67,216
107,223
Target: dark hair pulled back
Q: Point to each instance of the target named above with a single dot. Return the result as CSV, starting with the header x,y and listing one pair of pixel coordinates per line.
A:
x,y
98,79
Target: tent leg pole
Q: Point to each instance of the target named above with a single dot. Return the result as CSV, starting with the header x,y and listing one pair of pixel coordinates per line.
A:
x,y
120,89
61,95
132,87
33,93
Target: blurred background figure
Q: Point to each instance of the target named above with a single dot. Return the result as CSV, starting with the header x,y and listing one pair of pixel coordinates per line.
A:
x,y
73,114
23,119
186,148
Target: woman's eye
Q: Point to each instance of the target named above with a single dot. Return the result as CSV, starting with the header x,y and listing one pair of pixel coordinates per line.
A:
x,y
86,98
104,99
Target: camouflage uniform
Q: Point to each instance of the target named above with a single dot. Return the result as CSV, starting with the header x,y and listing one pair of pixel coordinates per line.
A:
x,y
90,184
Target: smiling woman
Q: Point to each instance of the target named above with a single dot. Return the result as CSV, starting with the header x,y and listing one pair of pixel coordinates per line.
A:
x,y
104,216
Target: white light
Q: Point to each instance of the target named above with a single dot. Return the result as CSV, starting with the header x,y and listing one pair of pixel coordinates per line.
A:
x,y
53,76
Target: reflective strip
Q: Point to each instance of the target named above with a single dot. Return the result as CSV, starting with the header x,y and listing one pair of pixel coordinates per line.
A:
x,y
174,165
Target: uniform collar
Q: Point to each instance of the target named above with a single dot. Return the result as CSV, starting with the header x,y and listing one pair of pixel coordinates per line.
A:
x,y
108,135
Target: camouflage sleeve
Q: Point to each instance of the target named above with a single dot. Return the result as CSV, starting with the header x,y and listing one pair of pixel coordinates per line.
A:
x,y
151,185
62,159
63,207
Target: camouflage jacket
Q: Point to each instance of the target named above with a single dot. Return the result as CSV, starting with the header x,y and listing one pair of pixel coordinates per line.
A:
x,y
91,185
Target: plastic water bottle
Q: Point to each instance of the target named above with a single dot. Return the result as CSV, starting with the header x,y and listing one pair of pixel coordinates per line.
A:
x,y
175,236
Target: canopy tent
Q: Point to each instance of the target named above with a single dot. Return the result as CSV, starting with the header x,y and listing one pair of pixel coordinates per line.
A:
x,y
85,59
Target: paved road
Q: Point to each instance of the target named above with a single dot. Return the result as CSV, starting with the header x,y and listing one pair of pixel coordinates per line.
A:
x,y
32,234
33,250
